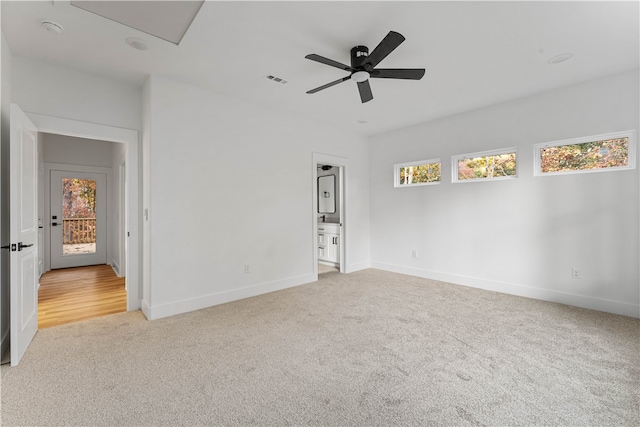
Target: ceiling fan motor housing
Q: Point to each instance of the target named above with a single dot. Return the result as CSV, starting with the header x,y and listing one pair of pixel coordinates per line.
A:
x,y
363,66
359,54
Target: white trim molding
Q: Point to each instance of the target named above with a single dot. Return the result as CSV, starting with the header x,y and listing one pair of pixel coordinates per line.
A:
x,y
133,219
599,304
210,300
343,164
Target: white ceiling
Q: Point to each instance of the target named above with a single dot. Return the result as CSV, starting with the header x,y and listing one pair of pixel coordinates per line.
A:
x,y
168,20
475,53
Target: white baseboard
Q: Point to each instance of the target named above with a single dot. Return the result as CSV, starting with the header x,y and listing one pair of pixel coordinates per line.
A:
x,y
145,309
115,269
351,268
192,304
598,304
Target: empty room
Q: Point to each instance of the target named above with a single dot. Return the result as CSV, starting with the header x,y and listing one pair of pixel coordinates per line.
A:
x,y
324,212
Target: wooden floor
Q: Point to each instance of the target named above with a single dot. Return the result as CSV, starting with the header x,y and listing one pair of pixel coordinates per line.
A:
x,y
80,293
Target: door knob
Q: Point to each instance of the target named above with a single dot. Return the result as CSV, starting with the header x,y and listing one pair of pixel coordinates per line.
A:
x,y
21,246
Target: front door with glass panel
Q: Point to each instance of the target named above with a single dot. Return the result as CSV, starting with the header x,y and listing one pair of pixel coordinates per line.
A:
x,y
78,219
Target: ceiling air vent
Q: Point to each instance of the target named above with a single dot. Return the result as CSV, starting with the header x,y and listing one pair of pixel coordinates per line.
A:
x,y
276,79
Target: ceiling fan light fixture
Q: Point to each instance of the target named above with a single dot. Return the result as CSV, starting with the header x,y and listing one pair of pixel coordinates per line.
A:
x,y
360,76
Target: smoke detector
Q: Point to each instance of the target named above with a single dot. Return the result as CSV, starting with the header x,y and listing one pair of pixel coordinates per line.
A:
x,y
54,27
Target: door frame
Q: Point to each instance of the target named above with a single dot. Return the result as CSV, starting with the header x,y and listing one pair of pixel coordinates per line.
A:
x,y
49,167
133,219
343,164
121,194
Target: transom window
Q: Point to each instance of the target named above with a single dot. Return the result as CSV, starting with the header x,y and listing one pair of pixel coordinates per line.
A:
x,y
495,164
424,172
598,153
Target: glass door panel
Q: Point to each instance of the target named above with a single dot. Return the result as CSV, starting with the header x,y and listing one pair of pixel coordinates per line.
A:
x,y
78,216
78,227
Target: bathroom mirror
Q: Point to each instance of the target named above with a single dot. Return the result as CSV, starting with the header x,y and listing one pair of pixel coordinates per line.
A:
x,y
327,194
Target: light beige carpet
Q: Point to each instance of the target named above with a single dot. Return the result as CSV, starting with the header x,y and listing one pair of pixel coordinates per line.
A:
x,y
368,348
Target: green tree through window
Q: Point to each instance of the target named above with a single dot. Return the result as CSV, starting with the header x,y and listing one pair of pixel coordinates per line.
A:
x,y
420,174
609,153
79,199
487,166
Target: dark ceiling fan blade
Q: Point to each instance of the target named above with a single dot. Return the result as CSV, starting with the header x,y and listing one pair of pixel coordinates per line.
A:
x,y
318,89
398,73
327,61
386,46
365,91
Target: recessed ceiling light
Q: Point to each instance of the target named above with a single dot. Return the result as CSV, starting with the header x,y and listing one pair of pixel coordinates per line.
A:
x,y
52,26
136,43
362,121
560,58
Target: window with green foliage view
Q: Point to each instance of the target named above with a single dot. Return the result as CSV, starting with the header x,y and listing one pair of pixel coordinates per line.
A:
x,y
490,164
424,172
609,153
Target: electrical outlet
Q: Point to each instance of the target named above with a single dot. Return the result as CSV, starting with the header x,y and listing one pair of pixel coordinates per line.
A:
x,y
247,269
575,274
414,253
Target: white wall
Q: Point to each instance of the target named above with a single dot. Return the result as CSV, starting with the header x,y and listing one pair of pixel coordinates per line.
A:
x,y
232,184
56,91
518,236
5,97
77,151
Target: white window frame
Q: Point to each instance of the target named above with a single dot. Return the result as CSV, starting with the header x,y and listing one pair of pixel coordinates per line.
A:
x,y
631,153
455,159
396,173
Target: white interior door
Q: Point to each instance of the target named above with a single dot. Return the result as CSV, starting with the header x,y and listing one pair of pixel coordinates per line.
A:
x,y
78,219
23,218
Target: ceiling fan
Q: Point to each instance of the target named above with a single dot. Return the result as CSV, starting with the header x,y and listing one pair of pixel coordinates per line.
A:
x,y
363,64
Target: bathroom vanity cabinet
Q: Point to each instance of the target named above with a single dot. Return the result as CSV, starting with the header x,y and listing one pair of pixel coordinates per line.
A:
x,y
329,243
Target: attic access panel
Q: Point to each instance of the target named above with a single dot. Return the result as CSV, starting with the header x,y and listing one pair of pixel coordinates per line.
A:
x,y
168,20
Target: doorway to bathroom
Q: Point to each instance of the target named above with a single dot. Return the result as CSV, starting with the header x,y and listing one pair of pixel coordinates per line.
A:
x,y
329,214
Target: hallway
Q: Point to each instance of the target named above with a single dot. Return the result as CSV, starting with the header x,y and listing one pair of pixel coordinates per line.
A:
x,y
81,293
